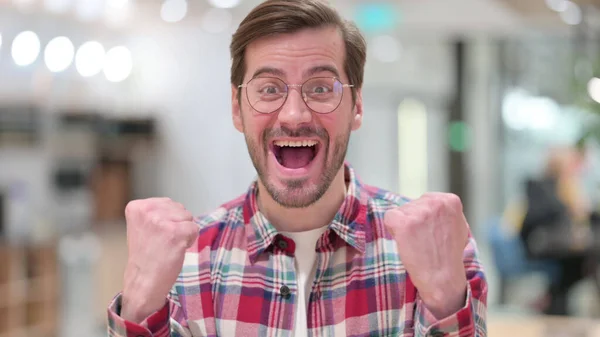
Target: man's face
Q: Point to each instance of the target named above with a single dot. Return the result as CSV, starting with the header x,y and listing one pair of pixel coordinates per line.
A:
x,y
296,151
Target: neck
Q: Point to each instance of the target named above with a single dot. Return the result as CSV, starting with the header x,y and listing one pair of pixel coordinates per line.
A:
x,y
317,215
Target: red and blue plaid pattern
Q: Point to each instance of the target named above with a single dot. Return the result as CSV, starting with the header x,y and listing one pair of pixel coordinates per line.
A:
x,y
239,279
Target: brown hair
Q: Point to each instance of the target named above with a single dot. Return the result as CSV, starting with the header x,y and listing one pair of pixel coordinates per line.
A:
x,y
289,16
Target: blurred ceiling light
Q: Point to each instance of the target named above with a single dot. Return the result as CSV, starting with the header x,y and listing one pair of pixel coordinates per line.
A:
x,y
89,10
386,48
89,59
224,3
116,12
25,48
59,54
572,14
594,89
57,6
115,17
557,5
0,40
118,64
173,10
216,20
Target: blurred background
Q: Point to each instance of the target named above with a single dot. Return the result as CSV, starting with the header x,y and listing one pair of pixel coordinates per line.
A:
x,y
104,101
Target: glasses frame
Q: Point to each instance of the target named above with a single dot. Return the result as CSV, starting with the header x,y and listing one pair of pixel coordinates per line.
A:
x,y
288,89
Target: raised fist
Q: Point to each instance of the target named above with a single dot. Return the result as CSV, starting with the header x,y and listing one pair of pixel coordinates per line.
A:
x,y
159,231
431,234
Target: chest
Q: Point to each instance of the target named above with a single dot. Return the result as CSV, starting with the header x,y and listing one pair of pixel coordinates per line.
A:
x,y
352,293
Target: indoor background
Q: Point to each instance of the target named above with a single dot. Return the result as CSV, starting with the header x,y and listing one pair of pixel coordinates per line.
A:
x,y
104,101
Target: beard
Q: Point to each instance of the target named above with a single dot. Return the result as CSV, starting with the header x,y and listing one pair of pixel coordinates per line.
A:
x,y
299,193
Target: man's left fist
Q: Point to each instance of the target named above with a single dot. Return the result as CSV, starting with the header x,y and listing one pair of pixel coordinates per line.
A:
x,y
431,234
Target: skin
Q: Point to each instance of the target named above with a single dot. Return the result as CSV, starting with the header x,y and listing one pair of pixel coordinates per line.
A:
x,y
430,232
310,201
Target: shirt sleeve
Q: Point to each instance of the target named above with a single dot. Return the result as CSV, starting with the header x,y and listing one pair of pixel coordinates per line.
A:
x,y
162,323
468,321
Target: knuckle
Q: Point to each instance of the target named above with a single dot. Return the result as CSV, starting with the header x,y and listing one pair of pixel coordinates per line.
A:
x,y
132,208
193,232
155,218
453,201
435,204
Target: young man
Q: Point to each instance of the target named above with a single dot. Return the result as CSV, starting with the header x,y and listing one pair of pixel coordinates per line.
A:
x,y
309,250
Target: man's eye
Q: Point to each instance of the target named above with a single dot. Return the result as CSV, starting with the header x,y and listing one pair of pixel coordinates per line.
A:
x,y
320,90
270,90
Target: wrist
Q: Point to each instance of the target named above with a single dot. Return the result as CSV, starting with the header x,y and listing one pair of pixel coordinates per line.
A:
x,y
137,304
136,309
446,299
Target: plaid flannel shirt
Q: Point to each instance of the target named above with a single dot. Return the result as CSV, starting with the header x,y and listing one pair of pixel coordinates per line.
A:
x,y
239,279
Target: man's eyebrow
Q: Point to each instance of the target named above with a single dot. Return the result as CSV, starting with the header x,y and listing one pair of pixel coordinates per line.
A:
x,y
270,71
310,72
322,68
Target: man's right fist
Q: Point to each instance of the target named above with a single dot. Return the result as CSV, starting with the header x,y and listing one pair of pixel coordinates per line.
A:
x,y
159,231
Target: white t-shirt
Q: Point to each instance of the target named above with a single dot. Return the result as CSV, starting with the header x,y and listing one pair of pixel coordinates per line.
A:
x,y
306,257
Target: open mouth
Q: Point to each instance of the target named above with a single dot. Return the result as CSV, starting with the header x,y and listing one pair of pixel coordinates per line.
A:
x,y
295,154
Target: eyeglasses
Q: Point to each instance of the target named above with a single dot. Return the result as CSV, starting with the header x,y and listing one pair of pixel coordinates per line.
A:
x,y
321,94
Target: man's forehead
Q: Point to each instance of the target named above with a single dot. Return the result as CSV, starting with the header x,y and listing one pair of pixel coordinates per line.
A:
x,y
307,52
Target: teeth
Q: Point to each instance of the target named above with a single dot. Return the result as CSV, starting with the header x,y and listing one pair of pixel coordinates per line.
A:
x,y
298,143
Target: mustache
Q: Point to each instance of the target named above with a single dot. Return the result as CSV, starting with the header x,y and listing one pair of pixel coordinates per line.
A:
x,y
303,131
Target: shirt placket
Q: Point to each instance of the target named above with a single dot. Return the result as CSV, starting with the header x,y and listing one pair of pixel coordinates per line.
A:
x,y
286,288
316,317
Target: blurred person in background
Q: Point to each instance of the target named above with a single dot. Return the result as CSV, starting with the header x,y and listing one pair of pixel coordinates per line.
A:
x,y
559,204
309,249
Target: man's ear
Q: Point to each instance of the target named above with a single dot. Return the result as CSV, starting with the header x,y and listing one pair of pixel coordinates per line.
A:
x,y
236,111
358,111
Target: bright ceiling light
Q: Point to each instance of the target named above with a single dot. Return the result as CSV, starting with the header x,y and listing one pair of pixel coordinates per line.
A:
x,y
118,64
0,40
59,54
173,10
89,59
572,14
25,48
557,5
594,89
116,12
224,3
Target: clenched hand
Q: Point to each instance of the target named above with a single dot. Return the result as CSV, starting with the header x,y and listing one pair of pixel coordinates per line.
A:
x,y
159,231
431,234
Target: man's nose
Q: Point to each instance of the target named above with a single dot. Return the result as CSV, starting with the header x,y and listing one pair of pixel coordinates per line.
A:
x,y
294,112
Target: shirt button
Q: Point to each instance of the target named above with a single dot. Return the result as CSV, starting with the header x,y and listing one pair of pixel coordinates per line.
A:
x,y
285,291
282,244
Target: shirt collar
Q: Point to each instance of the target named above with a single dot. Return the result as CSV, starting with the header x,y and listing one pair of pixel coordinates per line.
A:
x,y
348,223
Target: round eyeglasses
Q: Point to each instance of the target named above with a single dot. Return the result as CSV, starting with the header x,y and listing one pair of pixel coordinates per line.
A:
x,y
321,94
